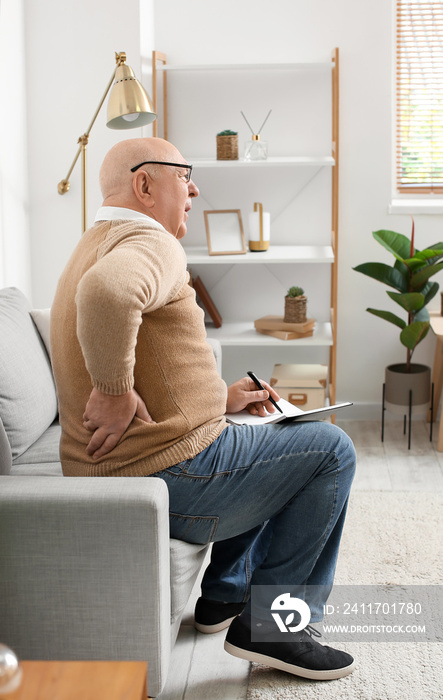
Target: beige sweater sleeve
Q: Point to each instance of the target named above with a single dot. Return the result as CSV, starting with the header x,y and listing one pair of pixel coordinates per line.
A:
x,y
138,270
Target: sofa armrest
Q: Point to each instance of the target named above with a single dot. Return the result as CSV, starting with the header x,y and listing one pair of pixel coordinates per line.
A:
x,y
85,569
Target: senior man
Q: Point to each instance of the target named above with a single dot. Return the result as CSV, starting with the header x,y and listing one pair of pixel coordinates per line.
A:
x,y
139,395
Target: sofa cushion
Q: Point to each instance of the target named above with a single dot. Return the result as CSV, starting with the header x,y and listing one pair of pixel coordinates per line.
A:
x,y
28,401
186,562
42,319
5,451
43,457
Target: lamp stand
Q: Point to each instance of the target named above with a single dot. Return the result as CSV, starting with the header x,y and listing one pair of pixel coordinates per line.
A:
x,y
63,185
129,99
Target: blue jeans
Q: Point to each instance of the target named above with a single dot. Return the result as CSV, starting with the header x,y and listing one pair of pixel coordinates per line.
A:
x,y
272,499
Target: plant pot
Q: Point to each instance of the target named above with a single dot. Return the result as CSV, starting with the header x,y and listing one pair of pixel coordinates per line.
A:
x,y
399,384
295,309
227,147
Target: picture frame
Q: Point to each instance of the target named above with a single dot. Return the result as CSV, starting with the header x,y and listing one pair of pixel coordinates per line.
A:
x,y
207,301
224,232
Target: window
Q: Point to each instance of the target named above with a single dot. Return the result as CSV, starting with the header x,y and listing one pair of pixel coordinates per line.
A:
x,y
419,151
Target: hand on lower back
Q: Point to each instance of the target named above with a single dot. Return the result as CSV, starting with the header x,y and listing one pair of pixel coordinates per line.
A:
x,y
108,417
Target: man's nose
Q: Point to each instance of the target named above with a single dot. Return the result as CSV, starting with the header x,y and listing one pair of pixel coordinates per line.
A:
x,y
193,189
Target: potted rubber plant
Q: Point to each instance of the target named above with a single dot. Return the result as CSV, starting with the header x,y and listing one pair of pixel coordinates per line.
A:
x,y
409,277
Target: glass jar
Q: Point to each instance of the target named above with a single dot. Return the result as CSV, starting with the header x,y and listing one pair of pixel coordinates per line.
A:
x,y
256,149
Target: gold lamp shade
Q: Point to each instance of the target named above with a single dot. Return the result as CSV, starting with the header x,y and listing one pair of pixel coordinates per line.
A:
x,y
128,105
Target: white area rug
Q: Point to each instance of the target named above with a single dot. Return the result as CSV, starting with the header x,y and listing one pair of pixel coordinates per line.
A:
x,y
393,538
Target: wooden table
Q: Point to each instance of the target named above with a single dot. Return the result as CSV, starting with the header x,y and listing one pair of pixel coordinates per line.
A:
x,y
437,372
82,680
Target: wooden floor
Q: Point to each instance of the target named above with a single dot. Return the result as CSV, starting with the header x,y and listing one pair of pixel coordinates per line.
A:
x,y
200,668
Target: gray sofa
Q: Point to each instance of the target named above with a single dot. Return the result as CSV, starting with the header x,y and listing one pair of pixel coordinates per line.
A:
x,y
87,568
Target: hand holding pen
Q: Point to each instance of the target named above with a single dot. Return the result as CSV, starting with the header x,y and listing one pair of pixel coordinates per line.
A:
x,y
241,396
258,383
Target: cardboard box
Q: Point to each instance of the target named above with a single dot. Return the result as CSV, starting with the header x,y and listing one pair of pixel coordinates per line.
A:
x,y
302,385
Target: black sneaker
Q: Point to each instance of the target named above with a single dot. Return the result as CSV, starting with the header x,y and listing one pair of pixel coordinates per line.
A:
x,y
302,655
213,616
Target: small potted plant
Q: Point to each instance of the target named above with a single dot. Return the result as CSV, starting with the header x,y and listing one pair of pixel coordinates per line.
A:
x,y
295,306
410,277
227,145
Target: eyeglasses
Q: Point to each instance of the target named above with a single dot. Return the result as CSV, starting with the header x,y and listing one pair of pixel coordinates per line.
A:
x,y
187,175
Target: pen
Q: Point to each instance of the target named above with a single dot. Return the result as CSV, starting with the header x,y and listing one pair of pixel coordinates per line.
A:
x,y
257,382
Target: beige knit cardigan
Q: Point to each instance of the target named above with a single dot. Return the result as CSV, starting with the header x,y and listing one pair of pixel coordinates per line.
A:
x,y
125,316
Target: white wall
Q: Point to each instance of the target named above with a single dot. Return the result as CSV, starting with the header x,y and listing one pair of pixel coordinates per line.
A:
x,y
15,269
291,30
70,50
70,60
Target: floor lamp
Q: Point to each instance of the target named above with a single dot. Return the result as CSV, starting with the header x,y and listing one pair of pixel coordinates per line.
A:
x,y
129,107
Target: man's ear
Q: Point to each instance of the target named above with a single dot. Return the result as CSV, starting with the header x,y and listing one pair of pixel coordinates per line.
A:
x,y
142,187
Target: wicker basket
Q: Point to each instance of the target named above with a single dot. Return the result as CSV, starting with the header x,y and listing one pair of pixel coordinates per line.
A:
x,y
227,147
295,309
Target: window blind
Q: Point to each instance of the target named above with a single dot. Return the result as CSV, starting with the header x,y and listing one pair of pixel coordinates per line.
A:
x,y
419,153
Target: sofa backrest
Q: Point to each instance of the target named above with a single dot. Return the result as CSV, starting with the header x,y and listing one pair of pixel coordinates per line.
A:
x,y
28,401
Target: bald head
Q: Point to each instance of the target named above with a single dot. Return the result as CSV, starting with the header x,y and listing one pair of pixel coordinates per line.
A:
x,y
115,174
161,193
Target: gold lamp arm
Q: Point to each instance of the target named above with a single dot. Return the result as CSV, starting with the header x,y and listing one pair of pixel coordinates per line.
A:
x,y
63,185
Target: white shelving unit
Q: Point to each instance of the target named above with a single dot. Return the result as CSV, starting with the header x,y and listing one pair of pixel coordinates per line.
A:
x,y
223,67
297,254
241,334
244,334
300,161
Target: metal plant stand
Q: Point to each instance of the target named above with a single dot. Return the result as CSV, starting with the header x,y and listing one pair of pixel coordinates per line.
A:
x,y
409,415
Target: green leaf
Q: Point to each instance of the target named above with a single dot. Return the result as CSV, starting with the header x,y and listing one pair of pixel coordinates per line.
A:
x,y
415,263
412,301
429,290
388,316
420,277
422,258
422,315
397,244
413,334
427,254
385,274
438,249
401,267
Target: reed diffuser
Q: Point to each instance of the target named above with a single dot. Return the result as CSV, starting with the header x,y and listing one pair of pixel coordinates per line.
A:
x,y
256,149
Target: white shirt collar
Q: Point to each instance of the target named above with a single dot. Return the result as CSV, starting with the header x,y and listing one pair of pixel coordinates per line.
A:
x,y
113,213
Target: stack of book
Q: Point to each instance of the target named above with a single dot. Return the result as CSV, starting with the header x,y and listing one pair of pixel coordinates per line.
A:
x,y
275,326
